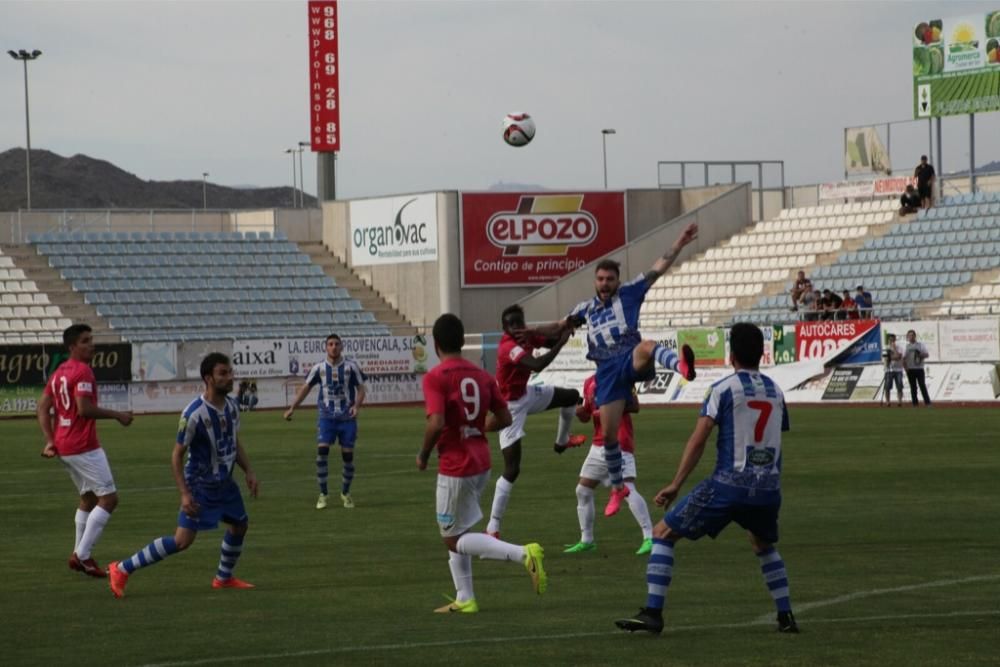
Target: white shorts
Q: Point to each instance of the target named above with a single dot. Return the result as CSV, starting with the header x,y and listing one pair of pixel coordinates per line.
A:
x,y
594,467
458,502
90,472
536,399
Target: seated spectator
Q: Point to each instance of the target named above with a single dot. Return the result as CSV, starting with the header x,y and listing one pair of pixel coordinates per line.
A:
x,y
910,201
863,300
831,304
811,302
848,308
801,287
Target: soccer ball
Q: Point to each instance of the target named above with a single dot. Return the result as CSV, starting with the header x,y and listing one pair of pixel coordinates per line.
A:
x,y
518,129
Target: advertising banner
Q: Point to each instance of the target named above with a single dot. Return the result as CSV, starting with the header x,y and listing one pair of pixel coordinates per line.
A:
x,y
866,189
324,75
113,396
968,382
19,400
927,333
969,340
32,364
818,339
956,65
864,152
147,397
154,361
709,345
377,355
395,388
784,344
394,230
767,360
260,358
190,354
842,383
531,239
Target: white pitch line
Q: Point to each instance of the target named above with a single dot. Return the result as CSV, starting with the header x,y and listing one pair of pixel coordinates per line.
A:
x,y
857,595
577,635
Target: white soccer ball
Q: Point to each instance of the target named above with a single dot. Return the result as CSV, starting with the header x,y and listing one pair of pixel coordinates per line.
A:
x,y
518,129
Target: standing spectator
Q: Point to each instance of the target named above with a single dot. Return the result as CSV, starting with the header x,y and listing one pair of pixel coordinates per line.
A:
x,y
924,173
893,370
242,395
863,300
831,304
913,362
910,201
801,287
252,399
848,307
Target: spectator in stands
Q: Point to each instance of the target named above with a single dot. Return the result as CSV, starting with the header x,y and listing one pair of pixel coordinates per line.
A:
x,y
848,308
831,304
252,399
893,356
910,201
863,300
801,287
913,362
924,173
812,302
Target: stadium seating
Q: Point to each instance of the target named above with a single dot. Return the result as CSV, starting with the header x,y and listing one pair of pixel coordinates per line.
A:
x,y
708,288
916,264
26,316
203,285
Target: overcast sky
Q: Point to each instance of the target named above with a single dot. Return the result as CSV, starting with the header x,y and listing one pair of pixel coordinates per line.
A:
x,y
168,90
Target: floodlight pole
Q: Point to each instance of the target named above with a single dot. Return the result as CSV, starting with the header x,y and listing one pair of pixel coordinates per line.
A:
x,y
291,151
972,153
24,56
204,191
604,149
302,175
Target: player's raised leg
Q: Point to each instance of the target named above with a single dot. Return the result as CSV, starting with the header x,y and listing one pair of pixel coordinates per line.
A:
x,y
646,352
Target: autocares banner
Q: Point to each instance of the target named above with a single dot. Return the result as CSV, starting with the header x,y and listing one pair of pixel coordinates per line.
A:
x,y
533,238
815,340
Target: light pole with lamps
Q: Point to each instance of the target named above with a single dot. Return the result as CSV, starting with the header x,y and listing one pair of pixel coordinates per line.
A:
x,y
302,174
604,148
24,56
204,190
291,151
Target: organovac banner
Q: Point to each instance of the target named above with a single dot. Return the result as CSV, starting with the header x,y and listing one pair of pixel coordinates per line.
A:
x,y
394,230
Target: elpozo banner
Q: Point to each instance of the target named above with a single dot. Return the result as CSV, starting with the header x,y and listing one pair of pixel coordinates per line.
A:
x,y
394,230
31,365
534,238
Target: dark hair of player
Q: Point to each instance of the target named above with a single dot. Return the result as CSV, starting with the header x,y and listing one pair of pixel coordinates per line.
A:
x,y
747,344
73,333
211,360
511,310
608,265
332,337
449,333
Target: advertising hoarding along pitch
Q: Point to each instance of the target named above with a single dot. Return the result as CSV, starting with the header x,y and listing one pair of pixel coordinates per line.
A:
x,y
324,75
533,238
394,230
956,65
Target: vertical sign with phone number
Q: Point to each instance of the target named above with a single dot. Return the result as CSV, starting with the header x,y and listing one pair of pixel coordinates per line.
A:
x,y
324,76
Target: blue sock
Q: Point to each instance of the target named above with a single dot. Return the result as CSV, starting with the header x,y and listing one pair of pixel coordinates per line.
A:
x,y
659,572
666,358
232,547
613,457
773,568
348,476
153,552
322,471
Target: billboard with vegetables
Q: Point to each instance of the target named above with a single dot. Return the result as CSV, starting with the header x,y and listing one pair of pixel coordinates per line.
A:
x,y
956,65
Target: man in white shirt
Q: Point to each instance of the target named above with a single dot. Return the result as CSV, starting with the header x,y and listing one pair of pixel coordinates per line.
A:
x,y
913,362
893,370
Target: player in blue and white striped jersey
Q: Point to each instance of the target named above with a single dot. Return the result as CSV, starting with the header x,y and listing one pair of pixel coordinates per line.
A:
x,y
208,434
745,486
341,394
615,344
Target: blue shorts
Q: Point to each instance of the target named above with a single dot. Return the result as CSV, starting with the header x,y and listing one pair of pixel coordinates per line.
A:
x,y
221,503
329,431
616,378
711,506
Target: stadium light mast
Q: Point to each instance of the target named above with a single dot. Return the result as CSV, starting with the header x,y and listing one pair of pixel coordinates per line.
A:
x,y
24,56
302,174
204,190
604,148
291,151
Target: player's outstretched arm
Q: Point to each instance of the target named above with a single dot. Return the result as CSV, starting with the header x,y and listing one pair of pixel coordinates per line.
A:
x,y
45,423
300,396
86,408
541,362
432,432
661,265
243,461
693,450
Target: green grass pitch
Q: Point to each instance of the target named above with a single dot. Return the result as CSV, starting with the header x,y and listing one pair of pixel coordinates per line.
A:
x,y
889,530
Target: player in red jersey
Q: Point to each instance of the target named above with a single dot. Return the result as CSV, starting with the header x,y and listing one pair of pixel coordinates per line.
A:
x,y
595,471
457,395
66,414
515,364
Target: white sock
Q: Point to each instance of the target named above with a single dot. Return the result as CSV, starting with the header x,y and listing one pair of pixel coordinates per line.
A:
x,y
500,499
640,510
566,416
484,546
81,525
585,512
95,526
461,574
